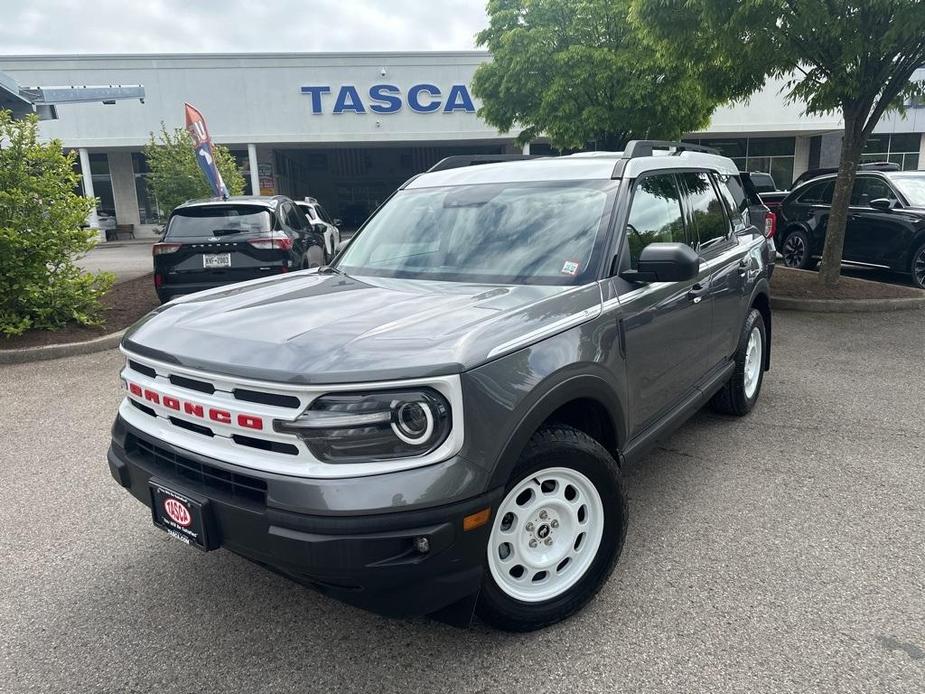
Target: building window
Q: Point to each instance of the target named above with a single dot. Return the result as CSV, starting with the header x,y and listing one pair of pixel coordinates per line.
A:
x,y
102,183
149,211
772,155
899,148
243,163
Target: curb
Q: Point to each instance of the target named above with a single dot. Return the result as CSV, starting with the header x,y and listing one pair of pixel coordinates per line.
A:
x,y
67,349
847,305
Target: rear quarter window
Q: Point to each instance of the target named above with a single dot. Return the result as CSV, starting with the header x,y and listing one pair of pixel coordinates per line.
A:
x,y
737,202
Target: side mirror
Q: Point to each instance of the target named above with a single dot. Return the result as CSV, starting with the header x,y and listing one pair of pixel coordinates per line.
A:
x,y
882,204
665,262
337,222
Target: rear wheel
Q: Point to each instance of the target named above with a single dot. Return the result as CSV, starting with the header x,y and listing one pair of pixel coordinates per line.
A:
x,y
795,250
918,268
557,533
741,391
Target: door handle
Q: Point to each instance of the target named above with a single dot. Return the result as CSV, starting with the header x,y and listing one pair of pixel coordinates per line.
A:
x,y
695,295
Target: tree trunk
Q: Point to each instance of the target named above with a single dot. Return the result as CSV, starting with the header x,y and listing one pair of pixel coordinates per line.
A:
x,y
851,147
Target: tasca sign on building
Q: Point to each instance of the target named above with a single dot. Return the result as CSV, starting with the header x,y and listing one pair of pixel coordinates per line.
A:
x,y
389,98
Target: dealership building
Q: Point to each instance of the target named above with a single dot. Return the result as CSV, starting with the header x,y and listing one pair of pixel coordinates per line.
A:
x,y
348,128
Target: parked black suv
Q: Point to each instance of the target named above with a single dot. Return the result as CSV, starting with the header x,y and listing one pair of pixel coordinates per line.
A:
x,y
438,421
886,222
211,243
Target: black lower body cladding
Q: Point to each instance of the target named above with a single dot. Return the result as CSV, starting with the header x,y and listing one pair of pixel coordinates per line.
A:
x,y
373,561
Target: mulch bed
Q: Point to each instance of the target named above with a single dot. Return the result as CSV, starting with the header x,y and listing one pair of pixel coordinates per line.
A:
x,y
124,304
788,283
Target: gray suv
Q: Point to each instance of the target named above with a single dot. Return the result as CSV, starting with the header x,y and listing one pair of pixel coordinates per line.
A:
x,y
436,422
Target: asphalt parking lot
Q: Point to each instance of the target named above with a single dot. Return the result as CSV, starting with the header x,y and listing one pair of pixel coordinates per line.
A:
x,y
126,259
784,552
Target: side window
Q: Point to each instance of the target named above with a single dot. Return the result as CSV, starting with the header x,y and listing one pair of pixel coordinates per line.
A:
x,y
323,213
867,188
655,214
709,218
730,188
819,193
308,211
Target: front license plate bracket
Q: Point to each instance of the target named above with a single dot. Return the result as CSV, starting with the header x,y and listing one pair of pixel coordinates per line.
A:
x,y
182,515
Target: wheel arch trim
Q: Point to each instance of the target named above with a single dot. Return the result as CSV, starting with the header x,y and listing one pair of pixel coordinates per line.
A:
x,y
553,398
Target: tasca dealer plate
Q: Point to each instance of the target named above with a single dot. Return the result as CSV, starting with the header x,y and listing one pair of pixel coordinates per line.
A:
x,y
181,516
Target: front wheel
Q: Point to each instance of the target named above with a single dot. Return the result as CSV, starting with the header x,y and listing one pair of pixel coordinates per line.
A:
x,y
741,391
557,533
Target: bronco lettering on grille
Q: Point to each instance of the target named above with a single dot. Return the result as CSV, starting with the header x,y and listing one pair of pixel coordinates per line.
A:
x,y
194,409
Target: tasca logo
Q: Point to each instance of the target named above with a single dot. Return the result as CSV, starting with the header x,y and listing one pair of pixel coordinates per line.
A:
x,y
195,409
177,512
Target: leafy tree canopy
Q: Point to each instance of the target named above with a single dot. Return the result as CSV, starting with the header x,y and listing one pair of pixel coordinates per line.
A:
x,y
175,176
41,234
578,72
855,57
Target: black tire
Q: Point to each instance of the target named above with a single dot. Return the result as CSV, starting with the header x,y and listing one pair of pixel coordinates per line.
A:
x,y
561,446
732,397
796,250
917,267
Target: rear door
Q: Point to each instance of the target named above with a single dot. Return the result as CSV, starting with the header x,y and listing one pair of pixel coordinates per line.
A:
x,y
666,325
724,261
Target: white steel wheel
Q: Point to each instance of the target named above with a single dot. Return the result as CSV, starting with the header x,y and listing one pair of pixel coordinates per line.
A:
x,y
545,535
753,363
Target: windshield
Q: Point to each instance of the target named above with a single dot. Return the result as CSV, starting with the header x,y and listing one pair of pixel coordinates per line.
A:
x,y
219,220
503,233
912,186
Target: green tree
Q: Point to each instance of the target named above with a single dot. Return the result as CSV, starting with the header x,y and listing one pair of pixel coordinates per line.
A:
x,y
41,234
577,72
174,174
854,57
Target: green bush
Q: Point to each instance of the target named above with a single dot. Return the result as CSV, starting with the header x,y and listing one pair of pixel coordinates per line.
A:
x,y
40,235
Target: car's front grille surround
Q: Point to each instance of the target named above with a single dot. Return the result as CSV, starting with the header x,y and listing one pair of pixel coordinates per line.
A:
x,y
256,444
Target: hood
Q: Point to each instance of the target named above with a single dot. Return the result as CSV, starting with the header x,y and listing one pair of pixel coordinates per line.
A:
x,y
326,328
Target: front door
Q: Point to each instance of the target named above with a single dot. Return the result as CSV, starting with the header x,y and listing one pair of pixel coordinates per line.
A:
x,y
873,236
666,325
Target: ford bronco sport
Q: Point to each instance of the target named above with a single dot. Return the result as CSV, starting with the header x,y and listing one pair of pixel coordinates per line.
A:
x,y
444,431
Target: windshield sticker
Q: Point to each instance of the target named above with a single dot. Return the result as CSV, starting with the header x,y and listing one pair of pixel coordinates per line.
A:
x,y
570,267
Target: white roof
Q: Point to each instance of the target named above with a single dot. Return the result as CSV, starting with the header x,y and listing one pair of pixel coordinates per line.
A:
x,y
576,167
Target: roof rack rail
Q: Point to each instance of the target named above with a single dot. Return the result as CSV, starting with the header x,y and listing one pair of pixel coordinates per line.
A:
x,y
644,148
460,160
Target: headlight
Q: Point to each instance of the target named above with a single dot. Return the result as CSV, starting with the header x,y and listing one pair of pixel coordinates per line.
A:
x,y
382,425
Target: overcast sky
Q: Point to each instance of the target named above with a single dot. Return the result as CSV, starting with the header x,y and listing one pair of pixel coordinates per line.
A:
x,y
186,26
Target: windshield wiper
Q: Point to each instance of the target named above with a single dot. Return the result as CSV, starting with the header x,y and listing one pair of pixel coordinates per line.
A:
x,y
330,270
228,232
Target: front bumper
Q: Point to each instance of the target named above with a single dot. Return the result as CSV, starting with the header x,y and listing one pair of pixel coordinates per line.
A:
x,y
371,561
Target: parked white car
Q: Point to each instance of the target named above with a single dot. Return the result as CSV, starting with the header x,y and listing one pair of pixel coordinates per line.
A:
x,y
317,215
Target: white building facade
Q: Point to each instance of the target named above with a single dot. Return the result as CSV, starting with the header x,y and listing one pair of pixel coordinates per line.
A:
x,y
349,128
